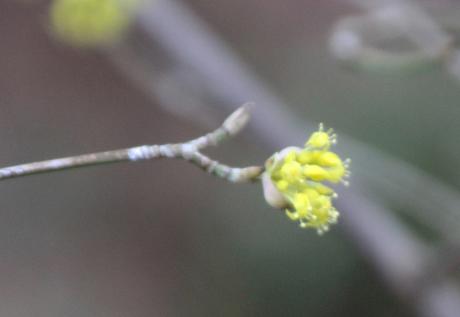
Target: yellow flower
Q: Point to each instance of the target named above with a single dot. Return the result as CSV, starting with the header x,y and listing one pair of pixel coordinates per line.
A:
x,y
294,180
321,140
86,23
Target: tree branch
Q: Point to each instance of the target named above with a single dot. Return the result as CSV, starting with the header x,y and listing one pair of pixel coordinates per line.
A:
x,y
188,151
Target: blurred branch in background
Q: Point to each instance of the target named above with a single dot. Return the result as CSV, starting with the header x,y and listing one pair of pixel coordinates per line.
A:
x,y
173,51
394,37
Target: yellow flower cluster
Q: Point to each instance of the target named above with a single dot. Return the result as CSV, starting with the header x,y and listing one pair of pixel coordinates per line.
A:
x,y
298,173
91,22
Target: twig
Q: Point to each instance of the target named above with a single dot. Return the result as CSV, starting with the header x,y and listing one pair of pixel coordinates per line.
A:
x,y
188,151
384,21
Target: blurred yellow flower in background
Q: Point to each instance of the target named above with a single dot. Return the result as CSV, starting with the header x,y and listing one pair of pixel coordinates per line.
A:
x,y
87,23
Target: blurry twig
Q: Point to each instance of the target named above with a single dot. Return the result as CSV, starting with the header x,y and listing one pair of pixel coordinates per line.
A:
x,y
366,41
189,151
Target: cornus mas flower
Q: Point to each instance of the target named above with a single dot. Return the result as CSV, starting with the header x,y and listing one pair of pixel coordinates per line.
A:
x,y
294,180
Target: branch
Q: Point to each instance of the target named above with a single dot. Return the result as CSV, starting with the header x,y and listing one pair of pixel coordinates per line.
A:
x,y
360,41
188,151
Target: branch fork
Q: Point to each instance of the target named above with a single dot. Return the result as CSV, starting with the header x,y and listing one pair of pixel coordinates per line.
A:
x,y
189,151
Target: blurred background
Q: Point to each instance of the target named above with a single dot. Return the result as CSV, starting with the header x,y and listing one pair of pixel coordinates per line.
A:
x,y
162,238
